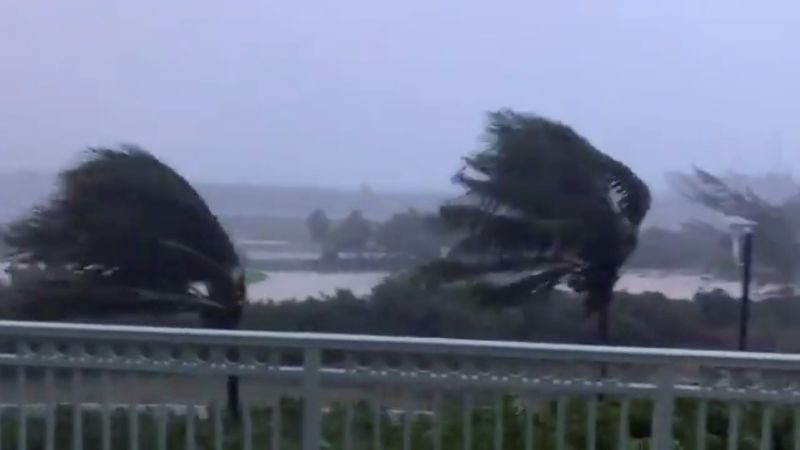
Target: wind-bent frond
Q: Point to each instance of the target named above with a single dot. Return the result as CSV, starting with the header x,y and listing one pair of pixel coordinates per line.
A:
x,y
520,290
713,193
634,195
509,232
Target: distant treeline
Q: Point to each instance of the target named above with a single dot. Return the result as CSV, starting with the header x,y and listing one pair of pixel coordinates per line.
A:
x,y
694,247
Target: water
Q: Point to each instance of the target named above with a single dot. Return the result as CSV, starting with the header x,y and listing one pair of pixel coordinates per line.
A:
x,y
679,286
299,285
272,255
303,284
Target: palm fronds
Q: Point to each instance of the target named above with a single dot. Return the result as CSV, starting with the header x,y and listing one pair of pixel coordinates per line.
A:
x,y
127,211
545,204
125,233
777,246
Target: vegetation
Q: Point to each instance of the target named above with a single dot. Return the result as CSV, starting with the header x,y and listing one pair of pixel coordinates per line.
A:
x,y
421,427
319,226
403,240
410,234
127,234
124,223
543,206
352,235
406,306
778,247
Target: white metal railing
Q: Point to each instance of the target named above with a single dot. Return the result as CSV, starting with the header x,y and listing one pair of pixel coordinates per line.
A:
x,y
89,386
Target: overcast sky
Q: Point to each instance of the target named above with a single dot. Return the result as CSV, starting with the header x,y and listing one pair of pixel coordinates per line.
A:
x,y
339,93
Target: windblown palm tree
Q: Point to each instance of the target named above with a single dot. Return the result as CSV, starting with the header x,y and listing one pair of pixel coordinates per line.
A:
x,y
543,206
776,231
127,234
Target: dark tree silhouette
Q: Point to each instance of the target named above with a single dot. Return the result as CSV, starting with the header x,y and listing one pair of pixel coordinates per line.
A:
x,y
353,234
543,206
319,226
411,234
125,234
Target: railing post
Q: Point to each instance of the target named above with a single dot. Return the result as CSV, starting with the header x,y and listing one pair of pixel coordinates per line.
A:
x,y
663,409
312,402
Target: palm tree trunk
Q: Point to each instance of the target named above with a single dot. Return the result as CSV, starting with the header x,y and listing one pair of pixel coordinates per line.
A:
x,y
603,334
232,389
232,382
603,326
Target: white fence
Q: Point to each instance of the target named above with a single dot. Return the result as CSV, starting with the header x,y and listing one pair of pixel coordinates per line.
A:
x,y
109,387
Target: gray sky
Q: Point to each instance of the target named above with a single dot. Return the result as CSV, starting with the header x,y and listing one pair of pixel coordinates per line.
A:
x,y
337,93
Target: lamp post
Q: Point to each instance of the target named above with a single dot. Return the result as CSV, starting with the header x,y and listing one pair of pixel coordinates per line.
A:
x,y
742,241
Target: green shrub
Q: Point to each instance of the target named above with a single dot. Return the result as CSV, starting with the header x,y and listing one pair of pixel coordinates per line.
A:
x,y
422,428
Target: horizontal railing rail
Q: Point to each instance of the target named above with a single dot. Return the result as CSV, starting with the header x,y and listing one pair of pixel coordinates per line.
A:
x,y
114,334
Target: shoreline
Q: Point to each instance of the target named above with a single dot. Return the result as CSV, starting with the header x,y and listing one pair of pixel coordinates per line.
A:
x,y
680,286
289,285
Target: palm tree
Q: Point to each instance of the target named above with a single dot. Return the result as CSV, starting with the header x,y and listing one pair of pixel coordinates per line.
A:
x,y
543,206
776,231
126,234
